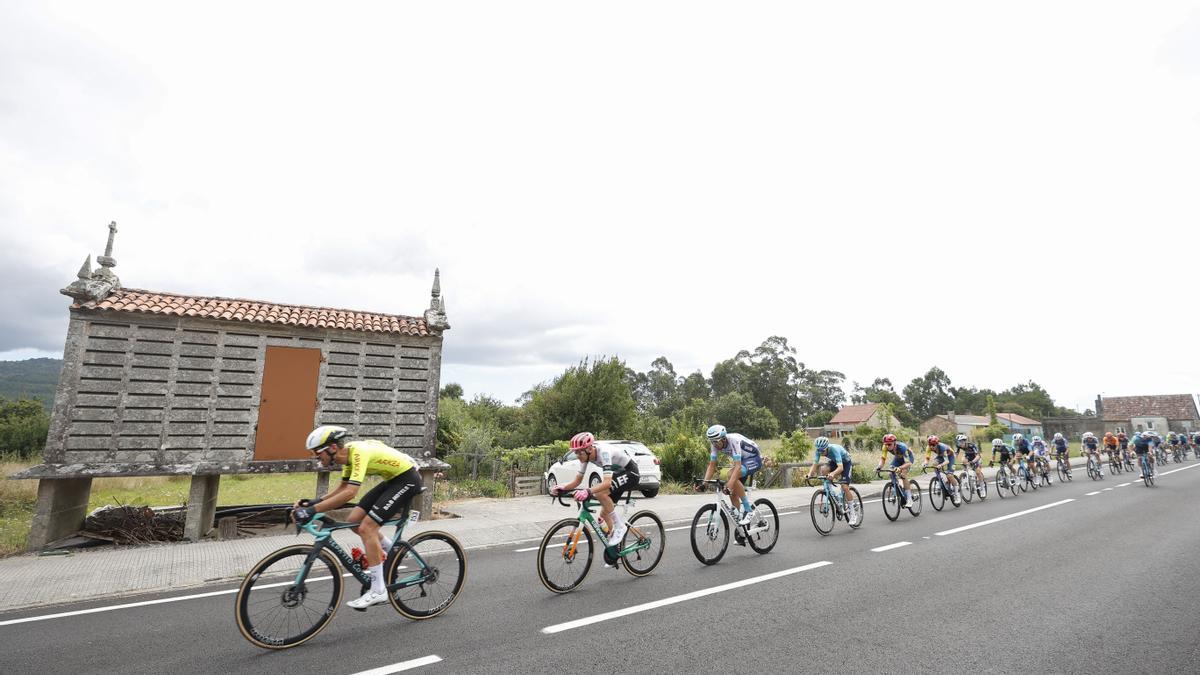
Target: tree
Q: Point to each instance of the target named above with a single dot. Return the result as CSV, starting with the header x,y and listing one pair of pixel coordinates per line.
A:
x,y
452,390
589,397
23,427
821,391
694,387
929,394
738,412
881,391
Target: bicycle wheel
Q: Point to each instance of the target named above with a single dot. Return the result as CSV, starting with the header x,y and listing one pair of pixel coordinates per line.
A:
x,y
914,504
765,516
562,565
822,512
937,494
710,534
1001,482
439,561
966,483
891,502
855,519
1023,479
981,489
644,526
274,612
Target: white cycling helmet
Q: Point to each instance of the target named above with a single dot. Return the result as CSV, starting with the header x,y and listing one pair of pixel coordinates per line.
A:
x,y
960,439
715,433
996,442
1018,437
324,435
1058,437
821,443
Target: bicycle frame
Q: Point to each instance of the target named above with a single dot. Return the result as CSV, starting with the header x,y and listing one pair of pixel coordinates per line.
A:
x,y
324,539
587,519
725,504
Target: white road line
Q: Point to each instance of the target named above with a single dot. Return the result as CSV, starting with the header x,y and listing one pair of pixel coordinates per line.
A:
x,y
129,605
558,628
1174,470
1124,484
1092,493
996,520
526,550
406,665
1107,489
889,547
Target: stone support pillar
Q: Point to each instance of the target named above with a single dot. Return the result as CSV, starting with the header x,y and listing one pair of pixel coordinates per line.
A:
x,y
61,507
201,507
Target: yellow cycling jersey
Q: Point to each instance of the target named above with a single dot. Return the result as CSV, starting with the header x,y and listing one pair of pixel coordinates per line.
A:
x,y
374,458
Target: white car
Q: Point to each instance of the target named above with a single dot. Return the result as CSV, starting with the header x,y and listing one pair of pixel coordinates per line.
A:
x,y
567,467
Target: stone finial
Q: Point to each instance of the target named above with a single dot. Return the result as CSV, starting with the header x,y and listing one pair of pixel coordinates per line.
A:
x,y
107,262
91,286
435,316
85,270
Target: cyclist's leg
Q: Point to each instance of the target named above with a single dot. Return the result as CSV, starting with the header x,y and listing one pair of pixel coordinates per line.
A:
x,y
737,491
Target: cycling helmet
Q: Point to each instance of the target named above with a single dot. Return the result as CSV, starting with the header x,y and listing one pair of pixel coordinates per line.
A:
x,y
1121,435
1088,434
889,438
1018,437
821,443
996,442
1058,437
582,441
960,439
715,433
933,441
323,436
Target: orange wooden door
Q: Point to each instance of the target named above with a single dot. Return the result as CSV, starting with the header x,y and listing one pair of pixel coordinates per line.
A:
x,y
288,407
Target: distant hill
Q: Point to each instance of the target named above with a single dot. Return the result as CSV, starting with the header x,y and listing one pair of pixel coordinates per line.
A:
x,y
31,378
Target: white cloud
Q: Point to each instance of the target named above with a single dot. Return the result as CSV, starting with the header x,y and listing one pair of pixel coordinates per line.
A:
x,y
891,186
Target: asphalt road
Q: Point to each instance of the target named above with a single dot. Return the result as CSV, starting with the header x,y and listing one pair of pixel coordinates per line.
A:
x,y
1088,583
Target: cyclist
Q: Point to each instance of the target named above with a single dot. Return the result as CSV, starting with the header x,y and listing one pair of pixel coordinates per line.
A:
x,y
1110,447
1155,443
746,460
1142,447
945,461
1173,442
1091,446
1005,451
1062,450
1123,444
359,459
1041,455
619,475
839,467
902,459
1024,452
970,455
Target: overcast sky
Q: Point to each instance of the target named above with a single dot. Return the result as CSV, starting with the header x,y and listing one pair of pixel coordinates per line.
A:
x,y
997,189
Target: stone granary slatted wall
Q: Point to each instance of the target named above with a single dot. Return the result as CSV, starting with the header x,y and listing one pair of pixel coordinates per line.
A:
x,y
174,391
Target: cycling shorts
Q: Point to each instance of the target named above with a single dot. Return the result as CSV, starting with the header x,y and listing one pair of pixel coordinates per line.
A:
x,y
898,462
747,473
624,480
949,459
1061,452
385,500
846,470
1004,457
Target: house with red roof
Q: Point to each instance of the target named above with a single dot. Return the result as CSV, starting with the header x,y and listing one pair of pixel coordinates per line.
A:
x,y
851,416
1161,413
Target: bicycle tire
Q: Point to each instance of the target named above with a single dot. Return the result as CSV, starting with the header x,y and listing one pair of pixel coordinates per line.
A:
x,y
820,507
1001,482
640,563
258,627
937,494
890,500
914,504
966,487
981,489
764,541
711,525
446,564
856,502
572,575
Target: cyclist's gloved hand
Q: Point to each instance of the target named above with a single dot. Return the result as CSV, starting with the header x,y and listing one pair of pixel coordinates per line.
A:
x,y
303,514
582,495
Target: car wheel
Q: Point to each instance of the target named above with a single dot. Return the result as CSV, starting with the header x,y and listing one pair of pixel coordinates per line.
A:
x,y
649,493
594,480
551,483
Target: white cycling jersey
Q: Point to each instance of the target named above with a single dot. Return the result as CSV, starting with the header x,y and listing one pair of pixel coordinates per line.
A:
x,y
608,460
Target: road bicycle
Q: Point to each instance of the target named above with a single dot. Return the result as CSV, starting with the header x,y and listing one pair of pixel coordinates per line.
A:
x,y
828,506
1127,459
1176,454
1005,480
939,487
1026,480
1147,470
893,496
1064,472
1114,462
563,566
1093,467
711,526
1041,471
292,594
970,485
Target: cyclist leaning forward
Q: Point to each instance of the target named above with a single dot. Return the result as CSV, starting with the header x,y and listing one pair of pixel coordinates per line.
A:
x,y
1061,450
1041,455
1005,452
1142,448
401,482
1091,446
902,459
746,460
1110,447
619,475
839,468
970,455
1024,452
945,461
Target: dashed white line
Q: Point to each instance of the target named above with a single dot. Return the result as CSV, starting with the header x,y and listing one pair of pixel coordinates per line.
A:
x,y
1108,489
996,520
889,547
405,665
1124,484
1092,493
616,614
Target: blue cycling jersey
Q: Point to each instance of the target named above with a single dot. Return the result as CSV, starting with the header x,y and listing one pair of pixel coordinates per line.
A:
x,y
941,450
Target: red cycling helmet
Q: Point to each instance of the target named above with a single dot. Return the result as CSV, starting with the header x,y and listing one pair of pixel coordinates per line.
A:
x,y
933,440
890,438
582,440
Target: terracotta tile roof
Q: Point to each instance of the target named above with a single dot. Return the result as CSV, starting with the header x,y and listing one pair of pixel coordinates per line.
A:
x,y
1170,406
1018,419
973,420
255,311
854,414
